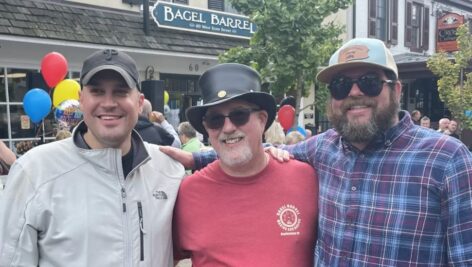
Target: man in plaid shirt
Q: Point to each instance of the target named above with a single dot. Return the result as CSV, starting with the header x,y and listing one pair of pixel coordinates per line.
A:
x,y
391,193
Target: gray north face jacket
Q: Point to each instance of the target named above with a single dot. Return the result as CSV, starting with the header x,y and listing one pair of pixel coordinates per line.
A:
x,y
64,205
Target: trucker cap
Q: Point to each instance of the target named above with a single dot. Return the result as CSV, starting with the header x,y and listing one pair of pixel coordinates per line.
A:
x,y
359,52
110,59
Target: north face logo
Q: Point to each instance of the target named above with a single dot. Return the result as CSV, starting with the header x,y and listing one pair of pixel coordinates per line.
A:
x,y
159,194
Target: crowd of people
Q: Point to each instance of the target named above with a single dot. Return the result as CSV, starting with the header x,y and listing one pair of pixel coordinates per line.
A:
x,y
445,125
379,189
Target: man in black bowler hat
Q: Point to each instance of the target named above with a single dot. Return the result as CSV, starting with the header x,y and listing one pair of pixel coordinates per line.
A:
x,y
245,209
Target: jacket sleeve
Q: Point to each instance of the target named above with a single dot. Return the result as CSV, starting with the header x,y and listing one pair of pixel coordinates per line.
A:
x,y
169,128
18,235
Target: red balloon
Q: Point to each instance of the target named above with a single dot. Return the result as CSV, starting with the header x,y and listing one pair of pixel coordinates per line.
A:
x,y
286,115
53,68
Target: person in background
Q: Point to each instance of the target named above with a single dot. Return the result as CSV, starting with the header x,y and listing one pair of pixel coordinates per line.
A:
x,y
63,134
425,122
443,125
7,158
159,119
188,137
309,133
293,137
149,131
452,128
416,116
275,134
391,193
245,209
101,198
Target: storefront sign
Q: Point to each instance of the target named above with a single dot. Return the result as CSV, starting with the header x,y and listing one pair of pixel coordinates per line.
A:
x,y
174,16
446,33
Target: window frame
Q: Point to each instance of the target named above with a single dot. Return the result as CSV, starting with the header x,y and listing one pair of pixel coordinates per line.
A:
x,y
390,16
217,5
417,32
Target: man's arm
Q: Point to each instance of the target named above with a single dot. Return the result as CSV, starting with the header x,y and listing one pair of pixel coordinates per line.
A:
x,y
194,161
300,151
159,118
458,216
18,234
6,155
199,160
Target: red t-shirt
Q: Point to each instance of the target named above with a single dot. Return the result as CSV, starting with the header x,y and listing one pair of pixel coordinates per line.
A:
x,y
268,219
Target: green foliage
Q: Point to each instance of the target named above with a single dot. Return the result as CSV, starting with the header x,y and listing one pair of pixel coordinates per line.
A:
x,y
291,42
455,94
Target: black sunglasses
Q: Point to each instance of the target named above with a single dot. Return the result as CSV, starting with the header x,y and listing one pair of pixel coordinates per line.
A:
x,y
238,117
370,84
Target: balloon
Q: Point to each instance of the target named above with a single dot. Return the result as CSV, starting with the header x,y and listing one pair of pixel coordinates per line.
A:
x,y
166,97
66,89
286,115
68,113
53,68
37,104
166,109
298,129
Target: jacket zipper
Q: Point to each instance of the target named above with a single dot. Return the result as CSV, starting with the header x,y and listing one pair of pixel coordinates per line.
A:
x,y
123,197
141,230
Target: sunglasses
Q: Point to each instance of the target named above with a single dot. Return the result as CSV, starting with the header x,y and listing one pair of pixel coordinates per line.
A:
x,y
238,117
370,84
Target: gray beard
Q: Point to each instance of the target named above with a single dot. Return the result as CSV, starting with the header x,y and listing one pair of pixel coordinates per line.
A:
x,y
381,120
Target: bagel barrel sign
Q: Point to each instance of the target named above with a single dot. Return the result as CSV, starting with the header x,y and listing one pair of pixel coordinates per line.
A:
x,y
175,16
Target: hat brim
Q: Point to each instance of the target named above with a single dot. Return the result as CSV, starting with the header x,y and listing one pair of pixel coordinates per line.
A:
x,y
263,100
126,76
328,73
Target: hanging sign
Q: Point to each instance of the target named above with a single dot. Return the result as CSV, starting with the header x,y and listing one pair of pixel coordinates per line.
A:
x,y
180,17
446,32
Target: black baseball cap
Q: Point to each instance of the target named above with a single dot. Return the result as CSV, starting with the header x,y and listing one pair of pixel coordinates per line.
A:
x,y
110,59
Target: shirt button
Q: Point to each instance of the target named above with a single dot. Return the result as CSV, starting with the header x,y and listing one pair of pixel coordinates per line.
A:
x,y
353,188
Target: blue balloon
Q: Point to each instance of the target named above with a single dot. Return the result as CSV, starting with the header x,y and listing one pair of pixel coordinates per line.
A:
x,y
37,104
298,129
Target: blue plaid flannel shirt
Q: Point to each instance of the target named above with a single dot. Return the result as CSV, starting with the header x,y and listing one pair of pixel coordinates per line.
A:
x,y
405,200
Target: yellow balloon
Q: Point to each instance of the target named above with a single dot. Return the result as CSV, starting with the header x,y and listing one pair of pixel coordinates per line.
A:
x,y
66,89
166,97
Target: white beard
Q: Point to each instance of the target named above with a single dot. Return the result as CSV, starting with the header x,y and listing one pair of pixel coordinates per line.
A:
x,y
237,156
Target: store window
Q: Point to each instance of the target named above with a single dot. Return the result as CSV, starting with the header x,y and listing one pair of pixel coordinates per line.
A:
x,y
183,92
383,20
3,121
17,84
16,129
417,26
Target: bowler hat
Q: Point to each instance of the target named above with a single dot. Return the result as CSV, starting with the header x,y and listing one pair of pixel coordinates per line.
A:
x,y
230,81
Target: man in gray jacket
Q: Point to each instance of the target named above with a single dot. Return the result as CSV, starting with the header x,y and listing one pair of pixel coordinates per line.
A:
x,y
101,198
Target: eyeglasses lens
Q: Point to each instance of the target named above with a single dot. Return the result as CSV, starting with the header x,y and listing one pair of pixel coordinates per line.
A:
x,y
238,117
369,84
